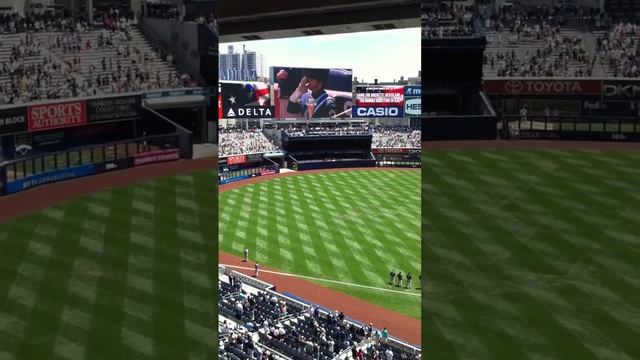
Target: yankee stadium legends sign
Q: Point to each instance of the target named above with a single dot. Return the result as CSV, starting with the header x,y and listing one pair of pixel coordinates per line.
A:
x,y
543,87
261,112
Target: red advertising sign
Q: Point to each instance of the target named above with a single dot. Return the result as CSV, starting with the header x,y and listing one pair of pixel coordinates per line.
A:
x,y
379,96
236,159
55,116
543,87
156,156
267,171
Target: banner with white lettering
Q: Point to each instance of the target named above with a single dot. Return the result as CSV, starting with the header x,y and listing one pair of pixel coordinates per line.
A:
x,y
13,121
55,116
115,108
379,101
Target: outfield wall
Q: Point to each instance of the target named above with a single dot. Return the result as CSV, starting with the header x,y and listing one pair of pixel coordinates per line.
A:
x,y
26,173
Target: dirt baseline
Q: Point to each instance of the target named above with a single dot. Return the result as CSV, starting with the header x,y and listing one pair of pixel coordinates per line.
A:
x,y
399,325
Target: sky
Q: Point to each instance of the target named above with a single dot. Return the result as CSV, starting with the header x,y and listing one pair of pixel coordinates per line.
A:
x,y
384,55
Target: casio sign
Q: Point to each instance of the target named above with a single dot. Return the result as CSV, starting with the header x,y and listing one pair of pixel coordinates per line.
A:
x,y
377,111
413,106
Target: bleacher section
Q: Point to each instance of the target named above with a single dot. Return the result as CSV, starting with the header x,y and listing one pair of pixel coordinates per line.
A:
x,y
303,332
529,40
60,64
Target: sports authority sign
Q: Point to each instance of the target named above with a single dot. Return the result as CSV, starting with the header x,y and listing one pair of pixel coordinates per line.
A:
x,y
55,116
236,159
551,87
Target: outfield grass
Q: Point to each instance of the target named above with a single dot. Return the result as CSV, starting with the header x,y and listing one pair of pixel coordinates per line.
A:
x,y
347,226
127,273
531,254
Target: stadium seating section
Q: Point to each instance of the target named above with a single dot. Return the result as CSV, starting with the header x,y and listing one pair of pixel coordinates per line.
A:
x,y
542,41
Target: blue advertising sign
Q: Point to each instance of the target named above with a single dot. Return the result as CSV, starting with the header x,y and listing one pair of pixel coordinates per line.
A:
x,y
413,90
378,111
48,177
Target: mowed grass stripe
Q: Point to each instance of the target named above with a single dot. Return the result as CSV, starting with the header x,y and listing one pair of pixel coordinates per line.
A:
x,y
95,294
549,272
532,268
347,226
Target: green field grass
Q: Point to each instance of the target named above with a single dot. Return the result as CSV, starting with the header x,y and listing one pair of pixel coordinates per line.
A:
x,y
531,254
127,273
346,226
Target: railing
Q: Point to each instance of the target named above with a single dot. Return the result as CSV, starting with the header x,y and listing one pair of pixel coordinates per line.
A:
x,y
570,127
25,173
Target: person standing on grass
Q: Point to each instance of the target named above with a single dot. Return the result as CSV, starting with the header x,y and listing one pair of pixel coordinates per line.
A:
x,y
256,268
392,276
399,278
246,254
408,280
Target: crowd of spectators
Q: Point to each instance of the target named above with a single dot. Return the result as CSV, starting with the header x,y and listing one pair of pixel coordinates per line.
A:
x,y
303,333
327,131
240,141
395,137
440,20
560,56
40,66
620,49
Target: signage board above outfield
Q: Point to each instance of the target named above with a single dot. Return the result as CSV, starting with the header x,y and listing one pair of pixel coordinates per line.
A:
x,y
543,87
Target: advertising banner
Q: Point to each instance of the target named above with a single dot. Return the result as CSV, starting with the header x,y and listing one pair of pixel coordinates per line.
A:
x,y
13,120
48,177
114,165
621,90
238,178
312,93
236,159
117,108
551,87
412,101
245,100
156,156
268,171
379,101
396,150
55,116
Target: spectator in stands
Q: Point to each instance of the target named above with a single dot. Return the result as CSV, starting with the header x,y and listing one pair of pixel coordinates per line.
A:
x,y
51,66
239,141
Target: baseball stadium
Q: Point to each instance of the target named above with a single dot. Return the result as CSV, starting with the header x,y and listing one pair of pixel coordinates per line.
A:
x,y
319,199
107,179
531,204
